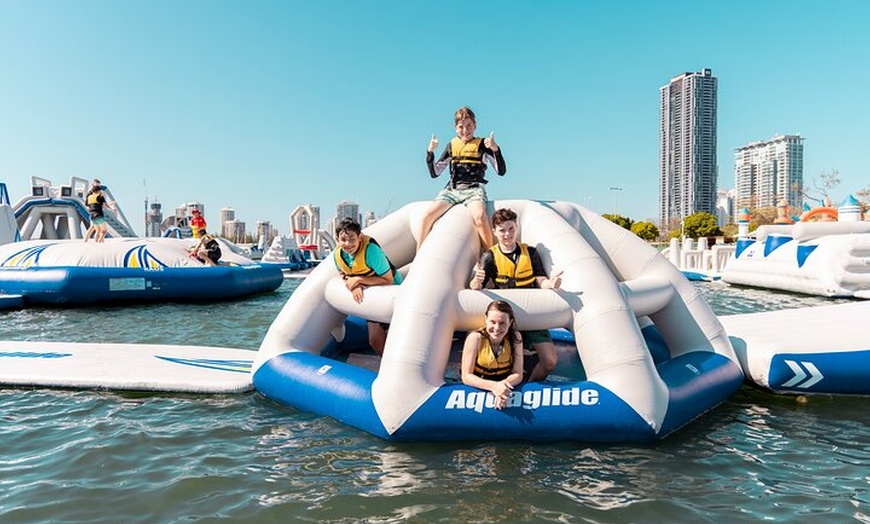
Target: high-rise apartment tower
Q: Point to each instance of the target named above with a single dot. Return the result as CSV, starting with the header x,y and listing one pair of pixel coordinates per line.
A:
x,y
687,147
768,171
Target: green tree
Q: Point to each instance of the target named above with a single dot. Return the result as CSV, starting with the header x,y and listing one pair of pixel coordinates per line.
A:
x,y
701,224
619,220
730,230
645,230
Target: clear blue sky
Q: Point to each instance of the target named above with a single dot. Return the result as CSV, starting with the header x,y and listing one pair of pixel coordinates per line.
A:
x,y
263,105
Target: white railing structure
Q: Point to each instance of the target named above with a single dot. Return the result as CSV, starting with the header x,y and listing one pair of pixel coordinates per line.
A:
x,y
701,262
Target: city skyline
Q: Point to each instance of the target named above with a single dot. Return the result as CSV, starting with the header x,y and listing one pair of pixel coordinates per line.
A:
x,y
272,105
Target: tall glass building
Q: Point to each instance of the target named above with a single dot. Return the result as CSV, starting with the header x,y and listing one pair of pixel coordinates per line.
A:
x,y
687,150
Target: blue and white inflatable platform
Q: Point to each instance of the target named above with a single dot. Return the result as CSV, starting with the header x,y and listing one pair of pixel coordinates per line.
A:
x,y
817,350
126,270
621,302
127,367
829,259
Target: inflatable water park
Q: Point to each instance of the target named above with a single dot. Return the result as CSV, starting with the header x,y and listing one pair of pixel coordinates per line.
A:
x,y
44,258
825,252
126,271
304,248
640,352
57,212
614,287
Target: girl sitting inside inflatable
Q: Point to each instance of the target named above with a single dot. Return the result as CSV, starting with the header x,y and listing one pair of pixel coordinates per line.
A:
x,y
492,358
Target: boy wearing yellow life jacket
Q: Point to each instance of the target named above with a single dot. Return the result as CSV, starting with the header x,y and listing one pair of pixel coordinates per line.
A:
x,y
467,157
362,263
509,265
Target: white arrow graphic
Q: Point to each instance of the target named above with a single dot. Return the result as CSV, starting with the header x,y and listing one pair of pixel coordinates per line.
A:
x,y
800,374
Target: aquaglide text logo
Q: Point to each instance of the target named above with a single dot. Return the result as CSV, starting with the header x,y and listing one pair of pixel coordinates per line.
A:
x,y
532,399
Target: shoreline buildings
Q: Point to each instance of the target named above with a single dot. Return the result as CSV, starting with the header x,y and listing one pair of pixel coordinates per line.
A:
x,y
153,219
232,228
767,171
687,149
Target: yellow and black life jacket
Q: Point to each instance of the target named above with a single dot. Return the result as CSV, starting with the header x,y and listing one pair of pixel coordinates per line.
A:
x,y
490,366
93,202
359,268
511,275
466,153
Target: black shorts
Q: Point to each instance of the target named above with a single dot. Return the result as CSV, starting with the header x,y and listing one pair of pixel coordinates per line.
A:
x,y
530,360
384,325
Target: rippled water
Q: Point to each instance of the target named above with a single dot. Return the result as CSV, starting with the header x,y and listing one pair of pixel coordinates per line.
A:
x,y
97,456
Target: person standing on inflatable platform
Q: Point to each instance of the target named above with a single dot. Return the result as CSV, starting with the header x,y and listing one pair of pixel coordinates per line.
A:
x,y
509,265
492,357
467,157
197,222
95,200
362,263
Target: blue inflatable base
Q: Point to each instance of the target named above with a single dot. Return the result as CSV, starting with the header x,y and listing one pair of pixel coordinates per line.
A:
x,y
835,373
547,411
81,286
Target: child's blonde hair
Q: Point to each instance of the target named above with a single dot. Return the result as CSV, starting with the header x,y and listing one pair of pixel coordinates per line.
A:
x,y
462,113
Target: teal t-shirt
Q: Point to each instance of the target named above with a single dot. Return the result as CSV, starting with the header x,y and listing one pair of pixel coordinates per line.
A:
x,y
375,259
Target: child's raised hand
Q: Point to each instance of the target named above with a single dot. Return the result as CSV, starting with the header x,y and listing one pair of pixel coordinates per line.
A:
x,y
479,273
433,144
556,280
490,141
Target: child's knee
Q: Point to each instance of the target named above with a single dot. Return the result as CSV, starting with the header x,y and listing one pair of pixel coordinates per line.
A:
x,y
547,356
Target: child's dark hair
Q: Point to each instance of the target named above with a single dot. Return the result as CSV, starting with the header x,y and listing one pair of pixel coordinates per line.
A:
x,y
503,215
349,225
504,307
462,113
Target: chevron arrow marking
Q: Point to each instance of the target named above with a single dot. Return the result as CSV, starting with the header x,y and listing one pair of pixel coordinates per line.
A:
x,y
800,374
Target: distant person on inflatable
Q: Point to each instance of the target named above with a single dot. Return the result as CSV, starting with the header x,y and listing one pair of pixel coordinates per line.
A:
x,y
207,251
95,200
508,265
492,357
467,157
362,263
197,222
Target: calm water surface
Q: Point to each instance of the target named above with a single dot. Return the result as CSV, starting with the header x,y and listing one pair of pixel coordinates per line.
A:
x,y
97,456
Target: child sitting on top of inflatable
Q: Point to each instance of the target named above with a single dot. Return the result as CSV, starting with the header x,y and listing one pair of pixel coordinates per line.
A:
x,y
508,265
207,251
467,157
362,263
